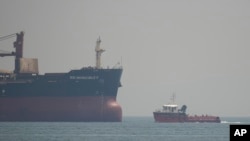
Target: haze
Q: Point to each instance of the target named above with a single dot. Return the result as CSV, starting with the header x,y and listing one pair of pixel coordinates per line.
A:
x,y
197,49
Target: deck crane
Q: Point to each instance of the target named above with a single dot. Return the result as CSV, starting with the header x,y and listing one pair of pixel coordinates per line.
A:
x,y
18,45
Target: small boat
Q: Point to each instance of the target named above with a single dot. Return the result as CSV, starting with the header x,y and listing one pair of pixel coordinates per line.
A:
x,y
171,113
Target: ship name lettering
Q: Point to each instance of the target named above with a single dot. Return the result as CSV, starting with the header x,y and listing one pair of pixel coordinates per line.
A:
x,y
84,77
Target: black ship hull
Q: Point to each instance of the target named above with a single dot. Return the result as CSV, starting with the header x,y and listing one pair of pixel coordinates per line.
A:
x,y
88,94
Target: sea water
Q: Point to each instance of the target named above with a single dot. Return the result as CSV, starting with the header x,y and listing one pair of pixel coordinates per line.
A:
x,y
130,129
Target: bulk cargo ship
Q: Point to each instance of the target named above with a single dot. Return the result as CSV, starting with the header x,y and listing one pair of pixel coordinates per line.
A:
x,y
171,113
87,94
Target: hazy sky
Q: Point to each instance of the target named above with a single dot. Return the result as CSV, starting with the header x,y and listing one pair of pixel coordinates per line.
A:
x,y
198,49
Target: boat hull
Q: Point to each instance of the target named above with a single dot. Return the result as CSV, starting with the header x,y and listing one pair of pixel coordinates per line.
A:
x,y
167,117
63,108
181,117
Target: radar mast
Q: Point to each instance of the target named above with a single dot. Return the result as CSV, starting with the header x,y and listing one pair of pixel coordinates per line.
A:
x,y
98,51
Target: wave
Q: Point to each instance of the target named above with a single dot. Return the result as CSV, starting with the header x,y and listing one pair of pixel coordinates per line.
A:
x,y
231,122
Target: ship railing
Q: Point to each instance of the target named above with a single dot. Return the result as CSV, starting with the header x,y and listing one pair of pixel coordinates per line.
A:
x,y
94,68
118,65
6,76
158,110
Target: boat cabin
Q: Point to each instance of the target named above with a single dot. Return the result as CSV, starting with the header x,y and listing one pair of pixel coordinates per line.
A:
x,y
170,108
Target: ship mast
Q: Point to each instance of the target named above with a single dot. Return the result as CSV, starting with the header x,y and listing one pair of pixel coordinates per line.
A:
x,y
98,51
173,98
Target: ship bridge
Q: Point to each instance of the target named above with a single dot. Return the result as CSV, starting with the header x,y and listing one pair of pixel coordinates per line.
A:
x,y
170,108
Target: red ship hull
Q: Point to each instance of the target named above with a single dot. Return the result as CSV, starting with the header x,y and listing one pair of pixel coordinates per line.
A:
x,y
164,117
64,108
178,117
203,118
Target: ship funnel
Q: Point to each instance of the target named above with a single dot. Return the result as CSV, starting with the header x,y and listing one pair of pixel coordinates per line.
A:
x,y
98,51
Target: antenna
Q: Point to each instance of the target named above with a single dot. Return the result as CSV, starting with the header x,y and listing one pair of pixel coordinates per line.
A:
x,y
121,61
173,98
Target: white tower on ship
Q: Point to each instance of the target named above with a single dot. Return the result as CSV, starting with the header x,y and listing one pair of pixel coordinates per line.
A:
x,y
98,51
